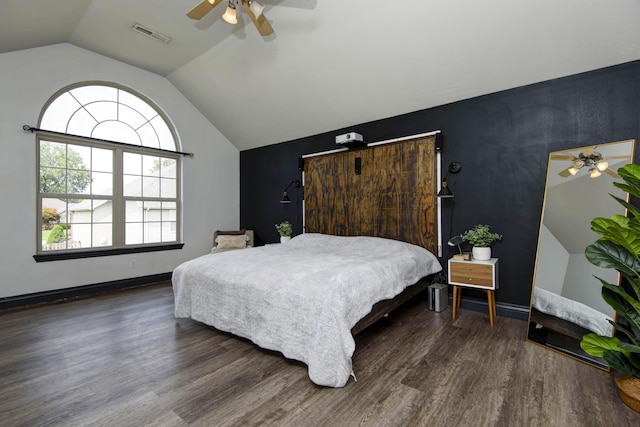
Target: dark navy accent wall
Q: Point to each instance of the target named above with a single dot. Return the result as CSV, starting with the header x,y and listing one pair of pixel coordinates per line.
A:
x,y
502,141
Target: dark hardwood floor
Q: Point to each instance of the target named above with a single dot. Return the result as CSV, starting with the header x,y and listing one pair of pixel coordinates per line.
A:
x,y
122,359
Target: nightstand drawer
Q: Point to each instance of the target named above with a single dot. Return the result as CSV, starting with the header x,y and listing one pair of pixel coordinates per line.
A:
x,y
472,274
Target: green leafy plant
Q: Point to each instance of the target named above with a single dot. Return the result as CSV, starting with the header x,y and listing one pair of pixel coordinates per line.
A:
x,y
58,234
284,228
50,217
619,248
480,236
62,169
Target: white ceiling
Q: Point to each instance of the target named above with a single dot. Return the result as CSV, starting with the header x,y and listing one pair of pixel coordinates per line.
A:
x,y
333,64
572,202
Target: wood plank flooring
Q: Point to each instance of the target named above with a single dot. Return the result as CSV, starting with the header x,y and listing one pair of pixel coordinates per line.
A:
x,y
122,359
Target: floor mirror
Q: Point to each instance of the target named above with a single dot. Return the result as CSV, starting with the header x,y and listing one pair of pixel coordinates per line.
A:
x,y
565,301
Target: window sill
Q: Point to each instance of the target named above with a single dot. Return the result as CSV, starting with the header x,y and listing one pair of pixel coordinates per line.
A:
x,y
59,256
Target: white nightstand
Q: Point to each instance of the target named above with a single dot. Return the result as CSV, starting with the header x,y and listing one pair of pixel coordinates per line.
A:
x,y
474,274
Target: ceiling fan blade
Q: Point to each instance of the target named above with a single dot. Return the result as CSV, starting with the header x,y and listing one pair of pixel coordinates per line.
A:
x,y
560,157
261,23
202,8
565,173
616,157
612,173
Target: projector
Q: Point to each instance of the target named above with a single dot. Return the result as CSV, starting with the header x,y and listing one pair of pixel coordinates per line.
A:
x,y
349,139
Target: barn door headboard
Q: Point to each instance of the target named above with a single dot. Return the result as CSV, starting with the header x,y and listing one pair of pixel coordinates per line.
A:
x,y
384,191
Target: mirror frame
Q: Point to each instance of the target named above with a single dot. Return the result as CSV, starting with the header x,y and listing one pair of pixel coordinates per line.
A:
x,y
537,327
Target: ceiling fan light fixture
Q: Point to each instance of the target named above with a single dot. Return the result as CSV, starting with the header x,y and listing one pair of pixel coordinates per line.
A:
x,y
256,8
573,170
594,173
602,165
230,14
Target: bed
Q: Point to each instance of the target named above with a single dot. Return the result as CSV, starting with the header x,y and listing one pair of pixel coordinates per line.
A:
x,y
550,306
302,298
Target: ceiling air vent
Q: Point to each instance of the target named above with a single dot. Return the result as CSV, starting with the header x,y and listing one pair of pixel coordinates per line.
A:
x,y
150,33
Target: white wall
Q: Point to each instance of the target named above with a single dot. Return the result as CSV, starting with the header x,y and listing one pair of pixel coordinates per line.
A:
x,y
581,285
210,183
555,258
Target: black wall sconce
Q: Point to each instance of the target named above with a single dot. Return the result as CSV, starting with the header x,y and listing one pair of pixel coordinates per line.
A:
x,y
445,192
285,195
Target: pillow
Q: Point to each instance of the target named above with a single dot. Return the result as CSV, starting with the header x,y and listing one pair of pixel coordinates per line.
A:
x,y
232,241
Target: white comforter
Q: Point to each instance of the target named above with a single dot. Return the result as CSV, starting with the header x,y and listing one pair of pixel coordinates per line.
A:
x,y
302,297
572,311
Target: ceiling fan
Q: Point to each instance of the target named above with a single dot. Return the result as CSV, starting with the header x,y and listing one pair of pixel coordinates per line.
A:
x,y
252,7
588,158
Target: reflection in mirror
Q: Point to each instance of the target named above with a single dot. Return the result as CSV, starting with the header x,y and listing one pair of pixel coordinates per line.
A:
x,y
566,302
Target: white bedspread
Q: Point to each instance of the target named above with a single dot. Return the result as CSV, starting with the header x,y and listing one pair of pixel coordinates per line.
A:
x,y
572,311
302,297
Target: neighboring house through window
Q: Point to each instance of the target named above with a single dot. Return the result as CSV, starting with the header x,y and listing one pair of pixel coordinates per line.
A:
x,y
109,173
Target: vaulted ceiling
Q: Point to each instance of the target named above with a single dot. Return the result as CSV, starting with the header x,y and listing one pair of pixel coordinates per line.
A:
x,y
332,64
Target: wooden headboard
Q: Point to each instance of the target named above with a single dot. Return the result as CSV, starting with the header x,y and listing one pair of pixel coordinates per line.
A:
x,y
383,191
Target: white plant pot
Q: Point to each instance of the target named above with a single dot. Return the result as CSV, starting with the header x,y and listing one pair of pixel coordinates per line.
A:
x,y
284,239
481,254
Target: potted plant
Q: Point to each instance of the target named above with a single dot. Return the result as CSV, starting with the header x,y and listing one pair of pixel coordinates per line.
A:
x,y
619,248
481,238
284,230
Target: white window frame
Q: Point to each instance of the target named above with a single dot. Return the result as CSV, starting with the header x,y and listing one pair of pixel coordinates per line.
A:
x,y
118,241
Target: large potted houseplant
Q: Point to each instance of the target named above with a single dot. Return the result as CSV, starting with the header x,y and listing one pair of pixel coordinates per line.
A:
x,y
619,248
284,230
481,237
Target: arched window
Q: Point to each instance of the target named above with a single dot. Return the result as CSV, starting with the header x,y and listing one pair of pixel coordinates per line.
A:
x,y
109,174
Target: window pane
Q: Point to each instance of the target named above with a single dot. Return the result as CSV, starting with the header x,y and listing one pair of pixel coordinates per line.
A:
x,y
132,186
80,211
168,231
102,184
164,134
152,232
53,223
168,211
54,211
133,233
102,235
150,186
58,113
90,93
167,188
78,182
151,165
133,211
137,104
53,154
131,117
78,157
152,211
81,123
132,163
168,168
81,235
102,211
149,136
101,160
53,180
